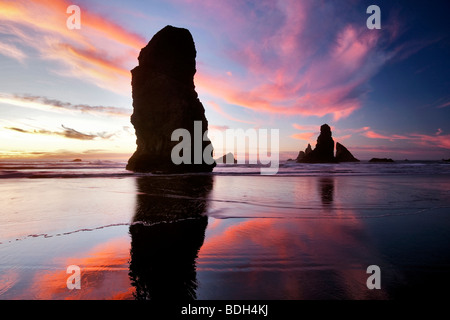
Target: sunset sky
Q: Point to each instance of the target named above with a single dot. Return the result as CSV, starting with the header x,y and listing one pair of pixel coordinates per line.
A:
x,y
287,65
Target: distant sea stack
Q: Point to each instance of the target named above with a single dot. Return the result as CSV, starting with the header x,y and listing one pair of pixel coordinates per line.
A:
x,y
164,99
381,160
324,151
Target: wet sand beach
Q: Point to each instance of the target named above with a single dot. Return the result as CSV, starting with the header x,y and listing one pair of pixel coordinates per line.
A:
x,y
232,234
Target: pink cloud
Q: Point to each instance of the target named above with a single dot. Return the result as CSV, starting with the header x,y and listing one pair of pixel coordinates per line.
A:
x,y
288,71
373,135
422,140
343,138
441,141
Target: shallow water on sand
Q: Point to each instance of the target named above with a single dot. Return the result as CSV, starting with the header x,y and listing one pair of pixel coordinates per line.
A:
x,y
228,235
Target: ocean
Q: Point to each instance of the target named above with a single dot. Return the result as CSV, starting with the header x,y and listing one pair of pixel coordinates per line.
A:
x,y
310,232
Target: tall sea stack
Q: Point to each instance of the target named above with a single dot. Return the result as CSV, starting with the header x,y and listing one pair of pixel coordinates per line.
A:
x,y
164,99
324,151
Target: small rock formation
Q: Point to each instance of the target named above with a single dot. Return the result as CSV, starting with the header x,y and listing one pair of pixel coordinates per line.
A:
x,y
381,160
227,159
308,149
302,154
164,99
77,160
343,155
324,151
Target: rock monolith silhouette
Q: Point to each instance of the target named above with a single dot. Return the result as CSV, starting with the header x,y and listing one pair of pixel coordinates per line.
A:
x,y
324,150
164,99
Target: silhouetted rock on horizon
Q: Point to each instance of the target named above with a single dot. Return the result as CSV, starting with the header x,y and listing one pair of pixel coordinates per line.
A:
x,y
324,150
302,154
164,99
381,160
227,159
343,155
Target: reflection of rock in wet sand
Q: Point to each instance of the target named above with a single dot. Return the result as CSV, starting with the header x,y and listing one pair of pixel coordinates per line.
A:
x,y
326,186
168,232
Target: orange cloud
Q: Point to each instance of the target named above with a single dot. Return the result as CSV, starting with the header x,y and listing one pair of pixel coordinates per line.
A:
x,y
102,52
95,59
51,16
304,136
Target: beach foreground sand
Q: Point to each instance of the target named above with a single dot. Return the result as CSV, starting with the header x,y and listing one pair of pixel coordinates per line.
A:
x,y
225,236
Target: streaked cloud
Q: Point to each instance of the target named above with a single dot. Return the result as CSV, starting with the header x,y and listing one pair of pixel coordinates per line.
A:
x,y
66,133
294,66
48,104
422,140
12,51
374,135
102,52
443,105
